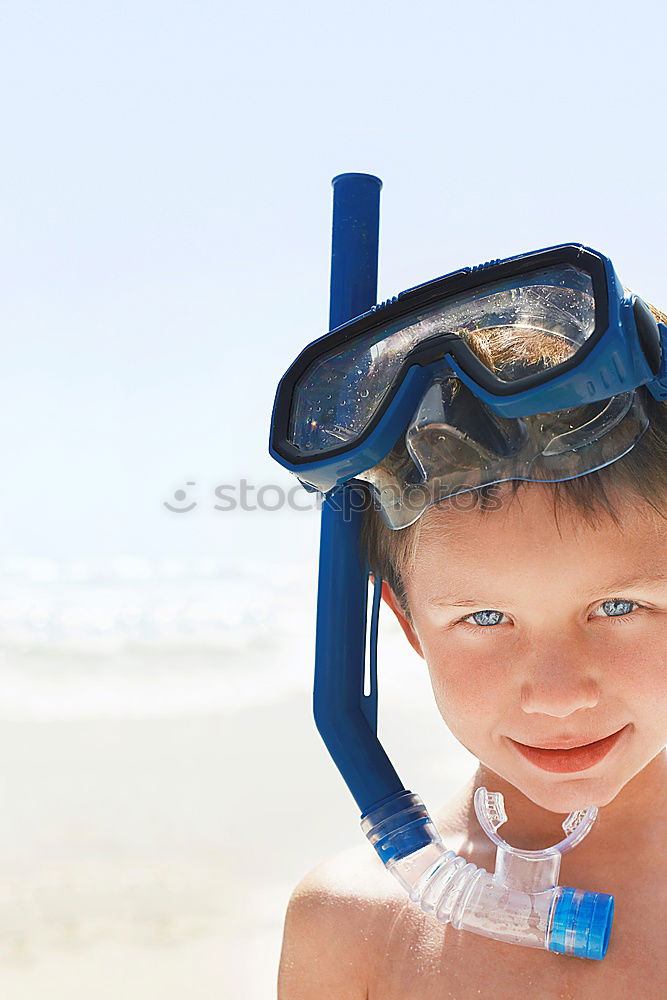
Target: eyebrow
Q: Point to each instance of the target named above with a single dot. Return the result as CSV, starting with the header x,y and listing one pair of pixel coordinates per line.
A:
x,y
618,585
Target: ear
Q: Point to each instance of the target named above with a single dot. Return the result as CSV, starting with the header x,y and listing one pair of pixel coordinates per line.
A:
x,y
390,598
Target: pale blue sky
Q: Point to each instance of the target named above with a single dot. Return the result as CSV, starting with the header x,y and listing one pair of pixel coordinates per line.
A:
x,y
166,207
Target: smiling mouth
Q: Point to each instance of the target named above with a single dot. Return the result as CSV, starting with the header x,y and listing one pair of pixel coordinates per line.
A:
x,y
561,758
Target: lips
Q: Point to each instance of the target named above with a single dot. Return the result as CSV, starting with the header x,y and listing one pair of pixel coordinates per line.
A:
x,y
564,756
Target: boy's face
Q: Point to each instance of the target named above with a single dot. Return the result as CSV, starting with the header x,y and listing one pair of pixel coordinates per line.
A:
x,y
575,650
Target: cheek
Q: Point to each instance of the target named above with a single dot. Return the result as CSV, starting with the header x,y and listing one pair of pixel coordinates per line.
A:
x,y
467,687
639,677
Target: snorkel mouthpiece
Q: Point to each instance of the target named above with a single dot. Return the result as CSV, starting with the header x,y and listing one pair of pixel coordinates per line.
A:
x,y
520,903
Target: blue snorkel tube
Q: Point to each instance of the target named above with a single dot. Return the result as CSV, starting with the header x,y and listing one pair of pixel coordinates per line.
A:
x,y
521,902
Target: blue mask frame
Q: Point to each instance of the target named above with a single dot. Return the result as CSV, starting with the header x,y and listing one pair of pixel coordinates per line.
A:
x,y
628,350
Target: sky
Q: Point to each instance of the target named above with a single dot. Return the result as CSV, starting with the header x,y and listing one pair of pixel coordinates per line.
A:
x,y
165,204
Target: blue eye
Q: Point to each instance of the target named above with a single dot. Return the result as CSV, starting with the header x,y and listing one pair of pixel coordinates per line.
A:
x,y
487,618
617,607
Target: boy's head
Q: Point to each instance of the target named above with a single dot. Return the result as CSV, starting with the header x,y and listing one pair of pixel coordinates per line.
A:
x,y
541,612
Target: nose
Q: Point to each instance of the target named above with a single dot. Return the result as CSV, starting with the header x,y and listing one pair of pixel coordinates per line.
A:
x,y
559,681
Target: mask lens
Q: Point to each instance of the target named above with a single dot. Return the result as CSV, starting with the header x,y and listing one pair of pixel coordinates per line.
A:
x,y
515,326
535,327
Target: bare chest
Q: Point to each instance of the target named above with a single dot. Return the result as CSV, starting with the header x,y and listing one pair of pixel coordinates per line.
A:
x,y
422,960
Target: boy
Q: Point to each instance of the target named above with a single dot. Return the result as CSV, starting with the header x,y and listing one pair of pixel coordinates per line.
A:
x,y
542,619
577,655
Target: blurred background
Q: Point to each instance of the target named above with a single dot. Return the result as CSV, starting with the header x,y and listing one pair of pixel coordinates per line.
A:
x,y
165,203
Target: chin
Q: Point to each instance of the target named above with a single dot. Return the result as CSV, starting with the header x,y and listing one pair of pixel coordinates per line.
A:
x,y
570,792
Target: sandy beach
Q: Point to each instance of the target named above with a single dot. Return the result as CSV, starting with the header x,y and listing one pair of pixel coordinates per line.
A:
x,y
154,857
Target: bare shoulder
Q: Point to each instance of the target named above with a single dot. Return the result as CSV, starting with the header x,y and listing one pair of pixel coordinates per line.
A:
x,y
333,927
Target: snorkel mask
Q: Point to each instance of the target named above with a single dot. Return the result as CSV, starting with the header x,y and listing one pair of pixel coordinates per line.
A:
x,y
533,368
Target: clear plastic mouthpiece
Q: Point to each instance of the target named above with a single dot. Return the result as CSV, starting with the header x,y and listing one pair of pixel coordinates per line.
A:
x,y
520,903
